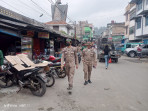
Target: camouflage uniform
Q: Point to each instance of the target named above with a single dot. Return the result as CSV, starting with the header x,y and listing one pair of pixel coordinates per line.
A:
x,y
71,59
89,60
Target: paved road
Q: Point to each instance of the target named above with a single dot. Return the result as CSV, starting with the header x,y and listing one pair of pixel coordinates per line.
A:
x,y
123,87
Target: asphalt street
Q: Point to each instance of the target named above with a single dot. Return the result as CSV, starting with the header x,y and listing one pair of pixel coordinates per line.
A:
x,y
122,87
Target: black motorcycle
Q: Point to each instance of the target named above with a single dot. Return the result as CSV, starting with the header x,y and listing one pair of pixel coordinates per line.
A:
x,y
32,79
55,69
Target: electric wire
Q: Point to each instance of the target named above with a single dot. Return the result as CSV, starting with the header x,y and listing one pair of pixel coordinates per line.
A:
x,y
14,7
40,7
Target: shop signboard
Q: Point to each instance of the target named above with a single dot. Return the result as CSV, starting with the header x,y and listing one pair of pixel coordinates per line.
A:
x,y
30,33
44,35
117,38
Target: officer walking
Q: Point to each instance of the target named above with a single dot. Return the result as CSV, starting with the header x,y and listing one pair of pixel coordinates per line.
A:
x,y
69,54
89,61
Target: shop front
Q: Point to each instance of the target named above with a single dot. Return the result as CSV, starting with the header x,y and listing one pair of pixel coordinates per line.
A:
x,y
41,43
10,41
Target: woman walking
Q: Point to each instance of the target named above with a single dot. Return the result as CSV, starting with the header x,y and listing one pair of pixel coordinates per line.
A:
x,y
106,55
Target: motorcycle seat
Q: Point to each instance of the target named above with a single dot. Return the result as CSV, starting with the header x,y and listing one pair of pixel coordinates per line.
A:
x,y
55,64
56,59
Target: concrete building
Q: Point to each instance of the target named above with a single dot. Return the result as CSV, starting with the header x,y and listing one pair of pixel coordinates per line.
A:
x,y
141,19
59,15
129,24
62,27
84,30
114,32
132,23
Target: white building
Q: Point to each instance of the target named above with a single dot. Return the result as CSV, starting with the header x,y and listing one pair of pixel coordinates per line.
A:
x,y
62,27
132,13
59,16
141,19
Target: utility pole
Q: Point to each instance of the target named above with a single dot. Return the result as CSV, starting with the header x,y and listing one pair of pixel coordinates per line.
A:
x,y
75,33
81,31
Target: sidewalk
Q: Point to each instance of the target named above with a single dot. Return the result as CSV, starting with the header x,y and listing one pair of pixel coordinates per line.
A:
x,y
135,60
7,91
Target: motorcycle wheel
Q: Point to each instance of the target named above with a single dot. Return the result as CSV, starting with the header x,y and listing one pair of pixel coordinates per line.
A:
x,y
5,81
61,74
40,87
50,80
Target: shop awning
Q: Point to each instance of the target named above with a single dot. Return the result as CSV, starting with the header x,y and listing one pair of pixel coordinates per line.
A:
x,y
12,33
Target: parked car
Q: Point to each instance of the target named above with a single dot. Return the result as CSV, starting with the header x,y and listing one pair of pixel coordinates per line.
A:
x,y
125,46
132,52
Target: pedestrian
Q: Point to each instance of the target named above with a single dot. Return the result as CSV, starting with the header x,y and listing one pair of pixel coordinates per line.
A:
x,y
69,54
89,60
139,51
106,55
1,60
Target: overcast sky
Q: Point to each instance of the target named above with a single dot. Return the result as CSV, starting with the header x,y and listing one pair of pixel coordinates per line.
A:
x,y
98,12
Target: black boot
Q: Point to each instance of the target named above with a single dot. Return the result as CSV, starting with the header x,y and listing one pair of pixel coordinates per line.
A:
x,y
89,81
85,83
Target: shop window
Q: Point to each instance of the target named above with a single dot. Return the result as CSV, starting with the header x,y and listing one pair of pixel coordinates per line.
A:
x,y
146,21
138,23
131,30
139,5
56,28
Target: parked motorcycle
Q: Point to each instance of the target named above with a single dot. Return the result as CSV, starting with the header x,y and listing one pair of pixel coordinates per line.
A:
x,y
51,59
6,77
55,69
55,66
32,79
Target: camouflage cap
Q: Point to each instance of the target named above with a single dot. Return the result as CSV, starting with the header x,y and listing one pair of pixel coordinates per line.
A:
x,y
68,40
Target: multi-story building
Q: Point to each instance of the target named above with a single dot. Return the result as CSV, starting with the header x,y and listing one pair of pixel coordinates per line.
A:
x,y
84,30
141,19
114,32
132,14
129,24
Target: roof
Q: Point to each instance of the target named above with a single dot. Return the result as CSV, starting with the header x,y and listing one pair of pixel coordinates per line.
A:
x,y
56,23
59,23
16,21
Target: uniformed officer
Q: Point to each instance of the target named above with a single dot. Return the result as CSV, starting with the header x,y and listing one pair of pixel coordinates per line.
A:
x,y
71,59
89,61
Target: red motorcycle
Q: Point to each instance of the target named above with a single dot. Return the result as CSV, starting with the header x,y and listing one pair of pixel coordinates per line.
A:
x,y
55,66
52,59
